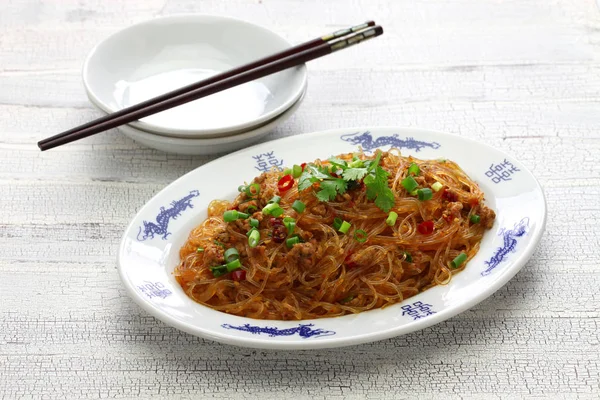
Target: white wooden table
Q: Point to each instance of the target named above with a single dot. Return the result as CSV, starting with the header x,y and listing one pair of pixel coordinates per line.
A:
x,y
521,75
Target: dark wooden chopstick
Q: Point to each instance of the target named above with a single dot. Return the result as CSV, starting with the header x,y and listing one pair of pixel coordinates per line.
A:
x,y
214,78
300,55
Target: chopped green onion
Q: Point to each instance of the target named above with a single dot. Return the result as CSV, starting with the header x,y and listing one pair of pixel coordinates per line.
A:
x,y
290,242
275,199
250,231
337,223
269,208
459,260
231,254
408,257
296,171
218,270
242,188
356,164
299,206
254,223
290,224
424,194
345,226
437,186
252,190
475,219
277,212
230,215
414,192
242,215
254,238
199,250
287,171
391,219
414,169
409,183
347,299
233,265
219,244
360,236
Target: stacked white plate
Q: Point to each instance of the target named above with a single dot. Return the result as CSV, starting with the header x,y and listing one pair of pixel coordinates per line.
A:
x,y
155,57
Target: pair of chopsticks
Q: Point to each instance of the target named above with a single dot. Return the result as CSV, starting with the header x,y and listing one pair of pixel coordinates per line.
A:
x,y
291,57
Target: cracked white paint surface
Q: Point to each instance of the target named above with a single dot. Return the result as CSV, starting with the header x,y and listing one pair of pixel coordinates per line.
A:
x,y
521,75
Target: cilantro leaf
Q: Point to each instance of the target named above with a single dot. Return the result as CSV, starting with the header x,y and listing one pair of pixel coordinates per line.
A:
x,y
354,174
325,194
322,172
385,200
330,189
338,163
305,181
340,185
310,175
374,163
378,190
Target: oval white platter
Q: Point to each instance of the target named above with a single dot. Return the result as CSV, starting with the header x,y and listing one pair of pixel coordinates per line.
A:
x,y
149,250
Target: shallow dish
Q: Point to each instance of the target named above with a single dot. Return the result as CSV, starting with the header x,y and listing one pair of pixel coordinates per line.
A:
x,y
154,57
208,145
149,250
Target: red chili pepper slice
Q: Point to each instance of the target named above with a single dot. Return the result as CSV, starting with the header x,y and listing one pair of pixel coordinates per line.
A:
x,y
425,227
238,275
302,166
285,183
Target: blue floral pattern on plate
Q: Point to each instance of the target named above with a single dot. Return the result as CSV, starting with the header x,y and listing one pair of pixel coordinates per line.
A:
x,y
501,172
509,244
305,331
164,217
365,140
417,310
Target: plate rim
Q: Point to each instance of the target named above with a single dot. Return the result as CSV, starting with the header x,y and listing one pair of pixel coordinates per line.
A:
x,y
518,263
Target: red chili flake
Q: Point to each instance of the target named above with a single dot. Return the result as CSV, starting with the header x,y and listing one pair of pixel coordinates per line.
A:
x,y
450,196
285,183
238,275
473,202
275,221
425,227
350,264
279,233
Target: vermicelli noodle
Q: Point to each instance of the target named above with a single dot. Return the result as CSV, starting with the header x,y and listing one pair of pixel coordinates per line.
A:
x,y
304,265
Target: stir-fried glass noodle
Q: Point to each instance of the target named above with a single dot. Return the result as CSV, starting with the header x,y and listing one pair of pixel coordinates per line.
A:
x,y
335,237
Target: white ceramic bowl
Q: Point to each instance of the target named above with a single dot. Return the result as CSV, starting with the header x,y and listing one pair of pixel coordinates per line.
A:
x,y
154,57
149,251
209,145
